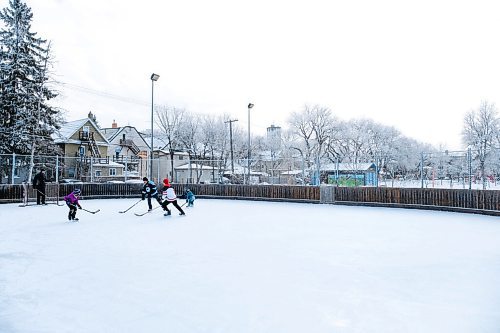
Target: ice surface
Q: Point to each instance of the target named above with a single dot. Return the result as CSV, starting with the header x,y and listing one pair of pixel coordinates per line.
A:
x,y
243,266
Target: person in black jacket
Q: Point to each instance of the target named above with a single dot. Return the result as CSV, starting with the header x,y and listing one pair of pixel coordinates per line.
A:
x,y
39,186
149,191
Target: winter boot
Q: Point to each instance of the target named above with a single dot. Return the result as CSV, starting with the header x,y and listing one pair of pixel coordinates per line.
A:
x,y
168,213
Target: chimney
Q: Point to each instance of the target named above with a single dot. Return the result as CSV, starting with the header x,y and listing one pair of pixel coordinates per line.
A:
x,y
114,124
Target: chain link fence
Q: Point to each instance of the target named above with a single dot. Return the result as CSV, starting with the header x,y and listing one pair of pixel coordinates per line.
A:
x,y
448,169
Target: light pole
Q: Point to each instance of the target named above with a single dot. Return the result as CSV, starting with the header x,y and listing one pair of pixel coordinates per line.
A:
x,y
250,105
154,77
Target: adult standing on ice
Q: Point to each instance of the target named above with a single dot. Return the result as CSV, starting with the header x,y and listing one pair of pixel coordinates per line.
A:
x,y
170,197
149,190
39,186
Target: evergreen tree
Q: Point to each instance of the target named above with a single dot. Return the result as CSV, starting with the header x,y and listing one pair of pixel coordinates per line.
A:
x,y
26,119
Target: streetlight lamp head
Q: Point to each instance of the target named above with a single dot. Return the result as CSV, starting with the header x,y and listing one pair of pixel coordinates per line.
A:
x,y
250,105
155,77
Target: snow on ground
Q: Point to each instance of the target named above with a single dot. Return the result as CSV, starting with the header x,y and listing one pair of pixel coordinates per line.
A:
x,y
244,266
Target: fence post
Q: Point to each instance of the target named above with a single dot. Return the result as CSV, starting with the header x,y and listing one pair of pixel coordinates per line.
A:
x,y
57,169
422,170
469,161
13,168
126,168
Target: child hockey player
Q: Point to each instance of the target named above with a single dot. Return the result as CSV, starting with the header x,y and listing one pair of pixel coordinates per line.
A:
x,y
170,197
72,202
189,198
149,190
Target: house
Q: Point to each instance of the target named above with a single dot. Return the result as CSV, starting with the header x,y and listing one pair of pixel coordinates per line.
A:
x,y
164,162
83,145
196,173
349,174
128,147
240,174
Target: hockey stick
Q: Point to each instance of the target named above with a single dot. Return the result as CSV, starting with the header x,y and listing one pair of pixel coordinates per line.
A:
x,y
126,210
142,214
91,212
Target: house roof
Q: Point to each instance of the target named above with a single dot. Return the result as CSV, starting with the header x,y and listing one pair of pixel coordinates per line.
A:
x,y
167,152
110,164
346,166
292,172
193,166
111,133
69,128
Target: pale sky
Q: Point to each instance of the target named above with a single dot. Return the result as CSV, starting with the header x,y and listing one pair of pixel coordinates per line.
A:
x,y
416,65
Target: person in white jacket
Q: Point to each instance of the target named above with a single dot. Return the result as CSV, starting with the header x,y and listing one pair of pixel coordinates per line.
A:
x,y
170,197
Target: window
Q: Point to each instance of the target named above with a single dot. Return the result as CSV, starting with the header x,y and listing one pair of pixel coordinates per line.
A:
x,y
181,157
81,151
98,173
86,131
112,172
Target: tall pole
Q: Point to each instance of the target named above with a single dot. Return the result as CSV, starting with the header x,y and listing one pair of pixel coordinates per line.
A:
x,y
250,105
151,147
154,77
231,143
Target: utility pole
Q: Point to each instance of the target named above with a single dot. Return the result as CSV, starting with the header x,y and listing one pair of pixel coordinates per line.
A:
x,y
231,142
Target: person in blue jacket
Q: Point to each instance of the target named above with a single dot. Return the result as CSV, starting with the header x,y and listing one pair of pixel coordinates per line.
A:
x,y
190,198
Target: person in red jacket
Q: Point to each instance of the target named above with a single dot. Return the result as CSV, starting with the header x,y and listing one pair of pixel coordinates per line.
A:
x,y
170,197
72,202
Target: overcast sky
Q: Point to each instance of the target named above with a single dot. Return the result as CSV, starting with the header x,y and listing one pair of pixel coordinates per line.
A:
x,y
415,65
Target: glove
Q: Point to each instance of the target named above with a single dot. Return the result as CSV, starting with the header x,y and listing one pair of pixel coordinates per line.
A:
x,y
79,206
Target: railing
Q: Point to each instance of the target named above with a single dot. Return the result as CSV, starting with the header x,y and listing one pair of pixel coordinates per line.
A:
x,y
85,135
130,143
472,201
126,159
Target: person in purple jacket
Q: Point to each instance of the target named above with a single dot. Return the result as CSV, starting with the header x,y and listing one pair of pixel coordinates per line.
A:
x,y
72,202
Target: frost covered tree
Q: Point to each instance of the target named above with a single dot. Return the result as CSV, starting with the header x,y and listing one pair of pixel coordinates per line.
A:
x,y
169,120
481,131
26,119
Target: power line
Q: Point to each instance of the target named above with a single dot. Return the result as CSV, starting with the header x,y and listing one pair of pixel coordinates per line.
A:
x,y
103,93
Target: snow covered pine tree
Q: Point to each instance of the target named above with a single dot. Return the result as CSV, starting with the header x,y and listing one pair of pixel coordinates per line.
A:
x,y
26,120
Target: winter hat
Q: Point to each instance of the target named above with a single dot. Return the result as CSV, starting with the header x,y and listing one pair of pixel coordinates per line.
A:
x,y
77,191
166,182
145,179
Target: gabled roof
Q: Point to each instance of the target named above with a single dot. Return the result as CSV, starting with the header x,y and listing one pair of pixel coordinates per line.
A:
x,y
69,128
112,133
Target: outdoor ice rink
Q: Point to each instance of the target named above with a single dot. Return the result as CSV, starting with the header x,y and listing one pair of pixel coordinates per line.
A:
x,y
246,266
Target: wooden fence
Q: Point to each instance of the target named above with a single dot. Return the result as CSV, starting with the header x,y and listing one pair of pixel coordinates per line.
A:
x,y
473,201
